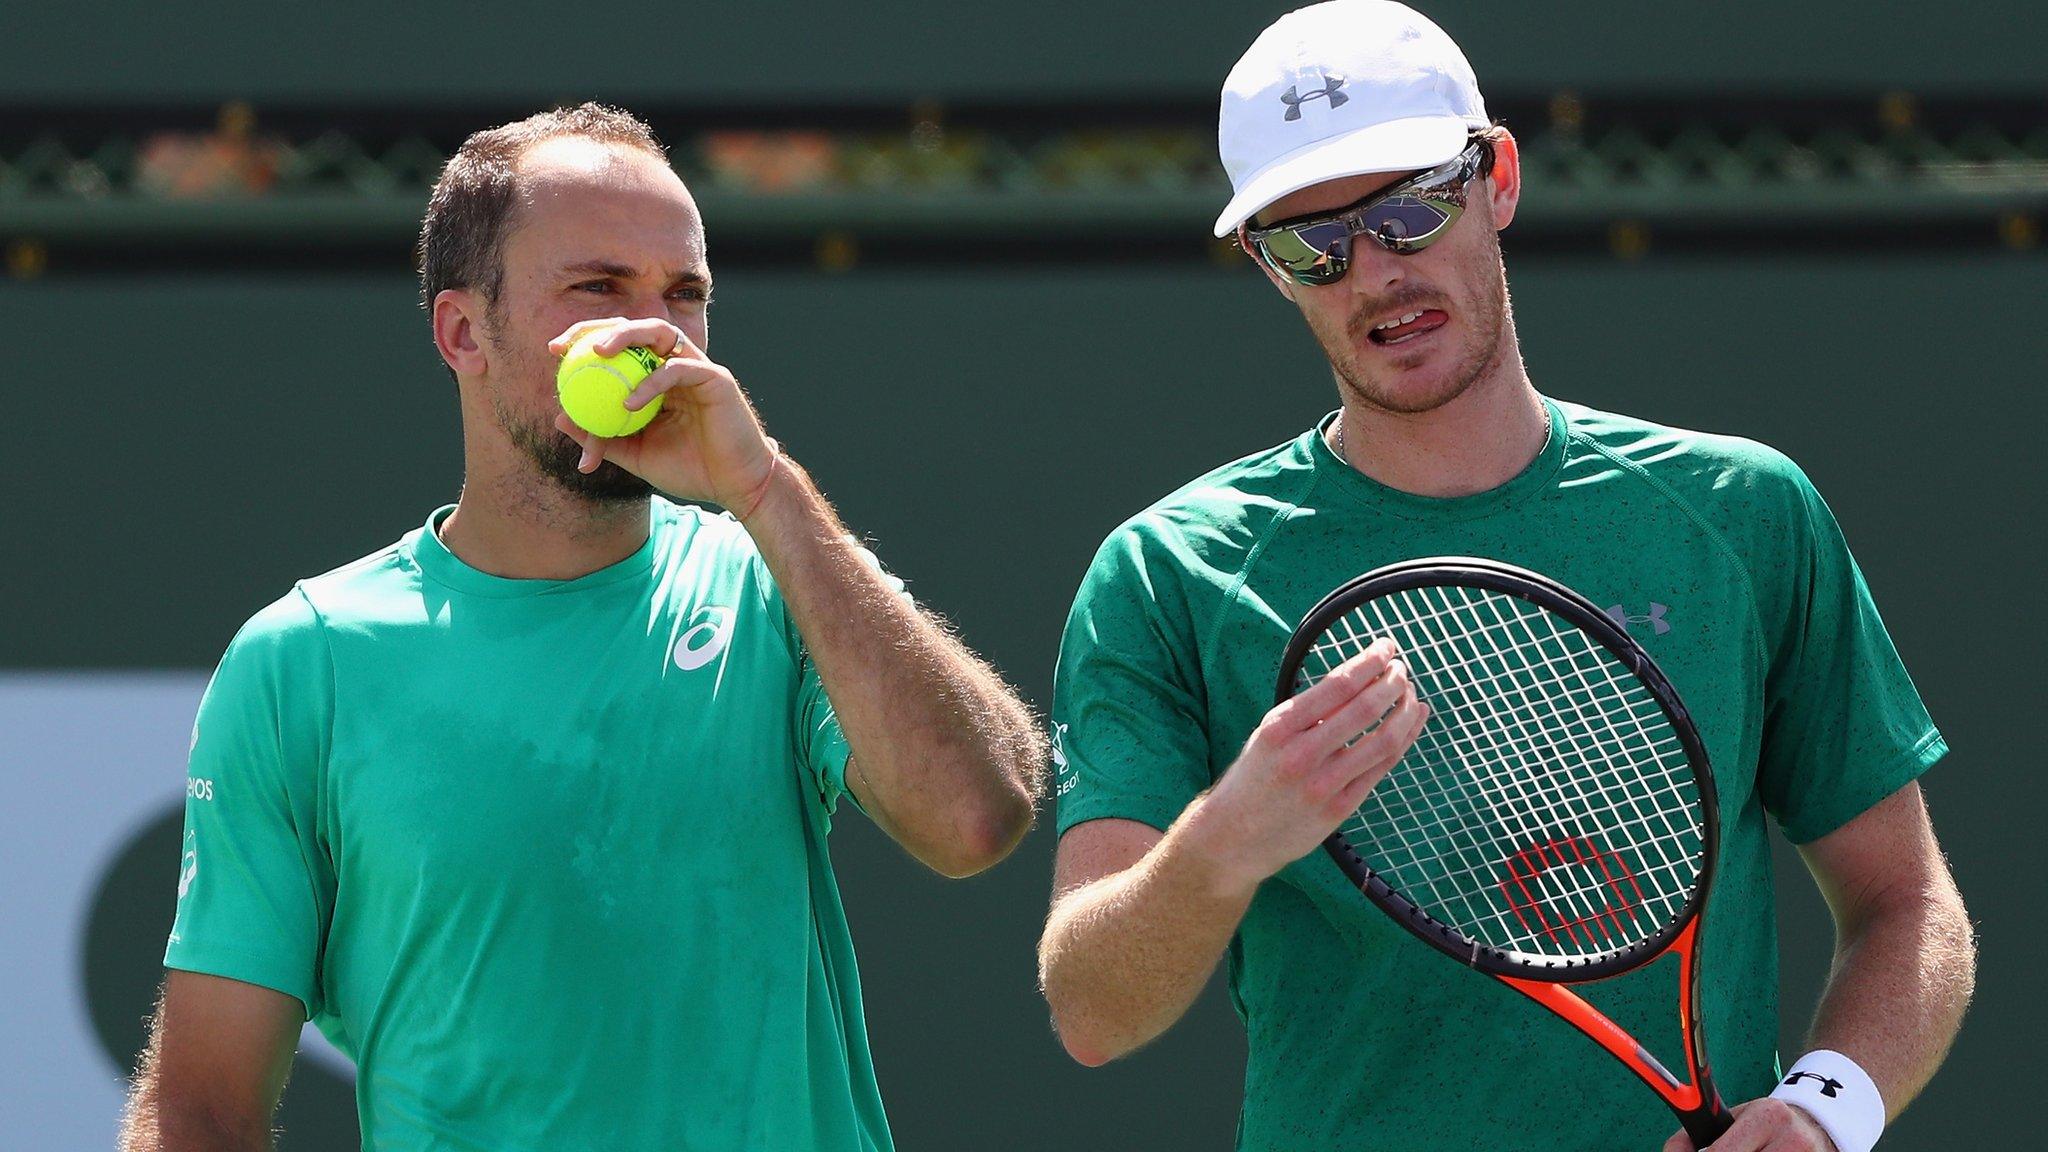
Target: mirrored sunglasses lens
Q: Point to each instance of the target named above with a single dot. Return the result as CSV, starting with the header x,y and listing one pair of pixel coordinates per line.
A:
x,y
1313,254
1406,220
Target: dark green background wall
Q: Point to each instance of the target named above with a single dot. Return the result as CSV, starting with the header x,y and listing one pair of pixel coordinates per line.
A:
x,y
407,51
179,448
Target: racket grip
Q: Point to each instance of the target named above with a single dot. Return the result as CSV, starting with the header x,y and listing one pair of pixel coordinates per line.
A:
x,y
1708,1123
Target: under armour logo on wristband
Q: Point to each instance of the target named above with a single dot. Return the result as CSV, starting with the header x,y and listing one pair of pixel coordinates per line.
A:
x,y
1840,1097
1654,618
1828,1086
1294,99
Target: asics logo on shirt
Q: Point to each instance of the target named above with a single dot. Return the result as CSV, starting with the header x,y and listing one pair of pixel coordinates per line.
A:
x,y
710,627
188,868
1061,771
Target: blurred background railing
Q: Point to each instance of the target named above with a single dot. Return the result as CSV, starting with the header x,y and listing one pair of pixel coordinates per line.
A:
x,y
335,187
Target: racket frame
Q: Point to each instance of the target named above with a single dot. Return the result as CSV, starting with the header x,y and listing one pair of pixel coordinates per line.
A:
x,y
1544,978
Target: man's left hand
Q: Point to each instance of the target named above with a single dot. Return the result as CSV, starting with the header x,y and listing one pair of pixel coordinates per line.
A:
x,y
706,444
1765,1125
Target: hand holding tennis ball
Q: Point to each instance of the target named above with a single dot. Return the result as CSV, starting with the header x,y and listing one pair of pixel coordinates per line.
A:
x,y
593,388
715,448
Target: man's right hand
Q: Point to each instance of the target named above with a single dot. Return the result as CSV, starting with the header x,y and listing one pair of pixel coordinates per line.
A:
x,y
1140,917
1308,766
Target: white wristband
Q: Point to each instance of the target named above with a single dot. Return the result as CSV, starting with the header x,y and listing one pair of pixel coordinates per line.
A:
x,y
1839,1096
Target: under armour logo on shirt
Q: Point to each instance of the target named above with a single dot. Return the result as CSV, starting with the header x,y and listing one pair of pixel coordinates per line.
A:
x,y
1654,618
1294,99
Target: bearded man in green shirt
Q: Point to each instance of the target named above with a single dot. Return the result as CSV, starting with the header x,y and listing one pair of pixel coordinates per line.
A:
x,y
527,811
1370,187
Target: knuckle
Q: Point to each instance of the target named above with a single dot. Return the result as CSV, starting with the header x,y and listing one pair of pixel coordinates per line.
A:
x,y
1783,1117
1266,737
1293,762
1316,789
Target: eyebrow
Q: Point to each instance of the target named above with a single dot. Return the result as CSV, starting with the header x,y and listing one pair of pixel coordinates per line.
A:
x,y
628,272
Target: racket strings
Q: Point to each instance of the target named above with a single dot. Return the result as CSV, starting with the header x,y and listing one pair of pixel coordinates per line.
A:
x,y
1543,736
1582,903
1548,807
1653,738
1522,805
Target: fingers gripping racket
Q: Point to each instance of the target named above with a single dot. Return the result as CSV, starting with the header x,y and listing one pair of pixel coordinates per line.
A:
x,y
1554,823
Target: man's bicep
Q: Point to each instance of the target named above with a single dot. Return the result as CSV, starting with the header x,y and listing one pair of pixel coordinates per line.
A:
x,y
1098,848
222,1049
1888,850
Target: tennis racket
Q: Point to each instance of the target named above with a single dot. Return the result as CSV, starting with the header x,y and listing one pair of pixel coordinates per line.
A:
x,y
1554,823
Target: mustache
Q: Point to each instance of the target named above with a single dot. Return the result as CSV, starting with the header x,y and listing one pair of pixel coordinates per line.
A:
x,y
1406,299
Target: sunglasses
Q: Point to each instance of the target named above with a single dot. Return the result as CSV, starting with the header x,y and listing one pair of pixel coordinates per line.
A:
x,y
1403,219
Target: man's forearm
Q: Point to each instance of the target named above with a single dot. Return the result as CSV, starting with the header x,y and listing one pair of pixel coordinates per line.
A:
x,y
1123,958
1898,988
945,757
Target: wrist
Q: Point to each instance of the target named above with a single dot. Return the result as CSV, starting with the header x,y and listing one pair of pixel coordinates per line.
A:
x,y
746,507
1839,1095
1204,844
773,489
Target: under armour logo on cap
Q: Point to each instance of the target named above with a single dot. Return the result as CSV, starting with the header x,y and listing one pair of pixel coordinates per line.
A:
x,y
1654,618
1328,91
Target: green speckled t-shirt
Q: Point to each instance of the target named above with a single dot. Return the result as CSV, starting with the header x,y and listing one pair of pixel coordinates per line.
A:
x,y
1720,558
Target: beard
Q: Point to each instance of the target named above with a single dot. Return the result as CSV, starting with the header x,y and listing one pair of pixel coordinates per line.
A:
x,y
555,455
1475,356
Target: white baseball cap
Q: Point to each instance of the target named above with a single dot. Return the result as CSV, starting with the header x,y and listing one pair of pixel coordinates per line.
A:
x,y
1344,88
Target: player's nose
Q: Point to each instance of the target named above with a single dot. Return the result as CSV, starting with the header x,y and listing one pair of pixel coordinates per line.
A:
x,y
1374,269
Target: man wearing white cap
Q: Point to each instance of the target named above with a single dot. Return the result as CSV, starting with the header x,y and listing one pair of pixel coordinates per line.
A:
x,y
1370,187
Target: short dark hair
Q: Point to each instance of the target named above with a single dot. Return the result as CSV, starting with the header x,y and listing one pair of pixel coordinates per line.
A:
x,y
462,236
1491,136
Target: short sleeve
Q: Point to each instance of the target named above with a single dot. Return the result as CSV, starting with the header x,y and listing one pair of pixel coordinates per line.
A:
x,y
1129,737
255,884
1843,725
819,740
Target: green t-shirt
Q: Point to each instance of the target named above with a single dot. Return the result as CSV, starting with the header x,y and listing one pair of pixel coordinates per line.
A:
x,y
1722,560
546,858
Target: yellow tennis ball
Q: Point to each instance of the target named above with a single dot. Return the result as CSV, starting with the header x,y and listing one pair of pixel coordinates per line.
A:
x,y
594,388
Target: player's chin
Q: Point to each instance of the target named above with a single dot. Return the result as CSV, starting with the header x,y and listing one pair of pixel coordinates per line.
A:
x,y
1413,389
605,484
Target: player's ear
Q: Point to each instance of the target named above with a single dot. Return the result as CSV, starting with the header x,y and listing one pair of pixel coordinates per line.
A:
x,y
458,316
1504,182
1286,288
